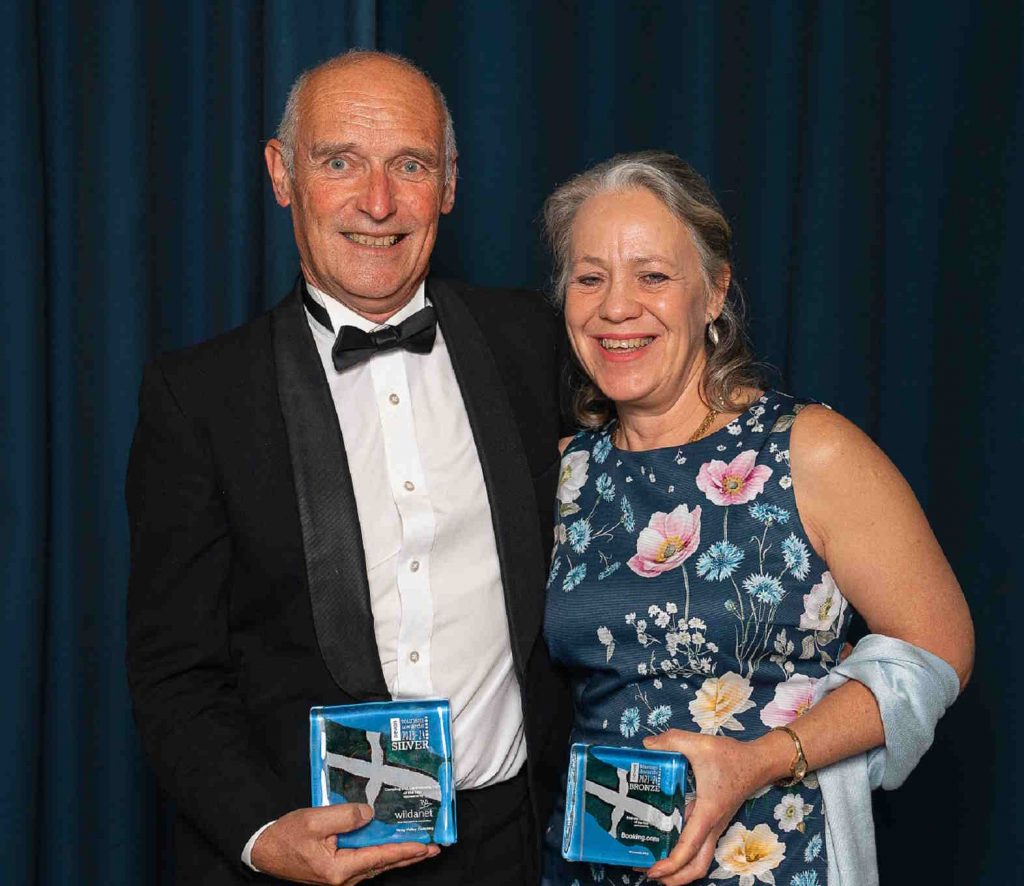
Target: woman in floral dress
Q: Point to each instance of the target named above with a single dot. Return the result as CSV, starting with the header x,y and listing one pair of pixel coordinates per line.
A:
x,y
711,536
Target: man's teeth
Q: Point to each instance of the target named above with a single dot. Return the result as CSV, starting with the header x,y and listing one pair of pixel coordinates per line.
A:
x,y
626,344
378,242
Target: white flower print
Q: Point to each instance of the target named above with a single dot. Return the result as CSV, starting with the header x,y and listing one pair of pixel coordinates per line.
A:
x,y
791,812
824,606
748,854
571,480
719,700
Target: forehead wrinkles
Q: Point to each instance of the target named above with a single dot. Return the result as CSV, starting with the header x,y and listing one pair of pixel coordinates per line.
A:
x,y
408,108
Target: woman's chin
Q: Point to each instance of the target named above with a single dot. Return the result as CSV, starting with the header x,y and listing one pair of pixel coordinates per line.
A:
x,y
627,395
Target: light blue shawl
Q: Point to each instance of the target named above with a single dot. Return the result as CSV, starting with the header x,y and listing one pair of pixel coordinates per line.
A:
x,y
913,689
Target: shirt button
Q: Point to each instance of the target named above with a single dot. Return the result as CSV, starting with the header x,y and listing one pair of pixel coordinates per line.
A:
x,y
414,566
393,398
414,656
409,485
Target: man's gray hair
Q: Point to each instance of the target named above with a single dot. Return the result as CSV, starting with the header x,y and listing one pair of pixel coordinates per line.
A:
x,y
289,119
730,369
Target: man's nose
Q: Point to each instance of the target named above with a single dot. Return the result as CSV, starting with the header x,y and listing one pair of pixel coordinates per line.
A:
x,y
620,302
376,198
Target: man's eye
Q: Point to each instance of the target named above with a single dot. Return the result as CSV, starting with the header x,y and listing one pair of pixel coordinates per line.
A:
x,y
337,164
411,167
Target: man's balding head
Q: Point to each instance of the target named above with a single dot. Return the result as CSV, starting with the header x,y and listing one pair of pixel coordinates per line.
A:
x,y
286,129
366,162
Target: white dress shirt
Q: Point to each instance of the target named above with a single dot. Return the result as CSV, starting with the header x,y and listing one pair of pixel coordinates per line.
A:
x,y
431,559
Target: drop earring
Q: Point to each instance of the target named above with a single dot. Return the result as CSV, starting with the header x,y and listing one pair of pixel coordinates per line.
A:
x,y
713,333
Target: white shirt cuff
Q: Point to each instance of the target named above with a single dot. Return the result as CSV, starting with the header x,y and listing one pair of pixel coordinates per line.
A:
x,y
247,851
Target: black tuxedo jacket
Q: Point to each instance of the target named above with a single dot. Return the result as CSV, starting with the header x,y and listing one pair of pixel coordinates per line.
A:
x,y
248,599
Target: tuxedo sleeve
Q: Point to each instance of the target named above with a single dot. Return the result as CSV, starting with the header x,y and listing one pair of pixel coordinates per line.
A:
x,y
184,687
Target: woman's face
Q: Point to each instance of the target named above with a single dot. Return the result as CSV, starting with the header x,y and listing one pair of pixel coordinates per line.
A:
x,y
636,307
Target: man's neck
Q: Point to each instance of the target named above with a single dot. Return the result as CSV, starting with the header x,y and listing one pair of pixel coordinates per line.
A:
x,y
342,313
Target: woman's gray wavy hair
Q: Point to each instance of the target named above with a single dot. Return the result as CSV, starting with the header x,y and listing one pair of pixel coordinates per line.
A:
x,y
731,370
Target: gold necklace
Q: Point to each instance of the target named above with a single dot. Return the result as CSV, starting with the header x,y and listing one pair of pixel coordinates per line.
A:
x,y
702,429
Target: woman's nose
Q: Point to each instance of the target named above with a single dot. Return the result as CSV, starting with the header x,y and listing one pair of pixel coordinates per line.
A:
x,y
620,302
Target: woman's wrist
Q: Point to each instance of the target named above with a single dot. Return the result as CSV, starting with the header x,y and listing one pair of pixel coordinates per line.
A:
x,y
775,752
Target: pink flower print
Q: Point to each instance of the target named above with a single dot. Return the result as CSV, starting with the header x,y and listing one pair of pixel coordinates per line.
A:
x,y
735,483
792,698
666,542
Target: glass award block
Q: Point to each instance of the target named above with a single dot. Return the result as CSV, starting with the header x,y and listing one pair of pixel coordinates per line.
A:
x,y
396,756
623,806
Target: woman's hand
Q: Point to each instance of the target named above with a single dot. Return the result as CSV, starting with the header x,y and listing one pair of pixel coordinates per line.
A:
x,y
727,772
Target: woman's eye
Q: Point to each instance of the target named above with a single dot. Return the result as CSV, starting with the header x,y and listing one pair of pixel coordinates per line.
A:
x,y
337,164
588,280
655,277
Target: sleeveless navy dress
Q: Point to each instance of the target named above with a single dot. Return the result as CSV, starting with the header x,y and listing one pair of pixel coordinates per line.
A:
x,y
683,594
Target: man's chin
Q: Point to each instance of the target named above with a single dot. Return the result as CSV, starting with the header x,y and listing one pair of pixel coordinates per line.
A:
x,y
375,301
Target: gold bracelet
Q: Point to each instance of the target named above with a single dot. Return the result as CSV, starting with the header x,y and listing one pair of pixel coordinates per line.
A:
x,y
798,769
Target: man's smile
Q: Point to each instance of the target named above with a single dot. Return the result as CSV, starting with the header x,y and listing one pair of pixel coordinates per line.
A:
x,y
375,242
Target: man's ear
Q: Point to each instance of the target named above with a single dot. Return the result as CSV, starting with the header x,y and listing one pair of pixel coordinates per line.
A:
x,y
279,177
448,197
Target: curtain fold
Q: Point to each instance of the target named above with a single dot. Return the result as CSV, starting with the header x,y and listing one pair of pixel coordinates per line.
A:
x,y
868,154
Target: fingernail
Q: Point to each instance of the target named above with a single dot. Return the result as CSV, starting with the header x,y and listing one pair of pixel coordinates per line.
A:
x,y
365,813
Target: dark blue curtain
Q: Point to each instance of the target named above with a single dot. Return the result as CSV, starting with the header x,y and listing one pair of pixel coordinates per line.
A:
x,y
869,154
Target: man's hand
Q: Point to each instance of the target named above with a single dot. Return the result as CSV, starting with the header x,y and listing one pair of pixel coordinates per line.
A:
x,y
301,846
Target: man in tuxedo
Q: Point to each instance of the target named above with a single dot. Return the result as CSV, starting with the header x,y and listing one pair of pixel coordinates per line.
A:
x,y
343,501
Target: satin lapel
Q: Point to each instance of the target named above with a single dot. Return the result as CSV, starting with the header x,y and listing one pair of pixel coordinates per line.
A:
x,y
331,537
505,469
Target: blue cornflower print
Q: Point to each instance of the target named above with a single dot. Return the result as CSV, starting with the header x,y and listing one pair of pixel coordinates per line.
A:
x,y
606,488
659,717
813,849
601,449
766,588
608,570
807,878
574,576
556,564
719,561
579,535
628,520
629,725
794,553
768,514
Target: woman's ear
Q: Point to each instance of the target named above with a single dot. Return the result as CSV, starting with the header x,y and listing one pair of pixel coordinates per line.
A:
x,y
716,298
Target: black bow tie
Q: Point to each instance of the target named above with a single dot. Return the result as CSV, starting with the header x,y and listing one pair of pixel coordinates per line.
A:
x,y
415,333
352,346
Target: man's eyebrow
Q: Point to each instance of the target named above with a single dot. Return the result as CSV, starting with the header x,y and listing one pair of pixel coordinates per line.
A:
x,y
331,149
424,155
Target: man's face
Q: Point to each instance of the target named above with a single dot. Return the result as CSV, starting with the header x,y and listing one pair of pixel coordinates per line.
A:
x,y
369,184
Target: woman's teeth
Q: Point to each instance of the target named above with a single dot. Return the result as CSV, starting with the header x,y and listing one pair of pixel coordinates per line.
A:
x,y
377,242
626,344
